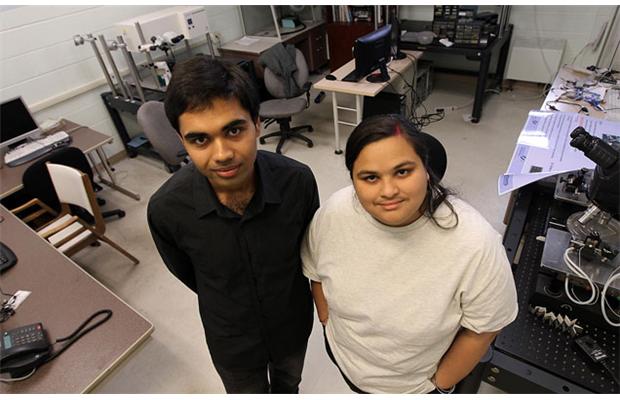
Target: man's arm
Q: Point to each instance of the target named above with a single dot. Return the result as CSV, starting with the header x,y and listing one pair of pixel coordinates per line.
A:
x,y
313,202
177,261
320,302
462,357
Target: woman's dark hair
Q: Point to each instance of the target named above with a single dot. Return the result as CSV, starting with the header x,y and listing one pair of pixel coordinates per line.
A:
x,y
431,152
197,82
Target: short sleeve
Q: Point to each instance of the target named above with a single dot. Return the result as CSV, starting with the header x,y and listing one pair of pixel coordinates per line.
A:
x,y
308,249
489,296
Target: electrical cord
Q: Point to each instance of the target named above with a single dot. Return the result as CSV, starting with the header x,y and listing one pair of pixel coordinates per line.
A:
x,y
78,333
612,277
21,378
425,119
576,269
582,108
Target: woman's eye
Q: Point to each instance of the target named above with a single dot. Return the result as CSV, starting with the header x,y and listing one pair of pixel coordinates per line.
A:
x,y
402,172
370,178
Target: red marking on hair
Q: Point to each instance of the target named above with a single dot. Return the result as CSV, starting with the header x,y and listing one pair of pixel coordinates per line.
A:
x,y
397,131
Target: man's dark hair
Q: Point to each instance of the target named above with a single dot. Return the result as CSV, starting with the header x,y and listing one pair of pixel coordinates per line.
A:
x,y
197,82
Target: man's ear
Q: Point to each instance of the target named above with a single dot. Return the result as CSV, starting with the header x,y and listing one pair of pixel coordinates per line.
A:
x,y
257,124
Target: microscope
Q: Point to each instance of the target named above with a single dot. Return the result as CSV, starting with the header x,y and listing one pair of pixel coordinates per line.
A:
x,y
580,264
597,229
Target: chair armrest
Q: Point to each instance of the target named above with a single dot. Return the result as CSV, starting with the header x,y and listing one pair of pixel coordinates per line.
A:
x,y
25,206
306,88
44,208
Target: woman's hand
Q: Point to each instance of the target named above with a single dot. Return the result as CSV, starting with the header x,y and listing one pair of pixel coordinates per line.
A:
x,y
462,357
320,302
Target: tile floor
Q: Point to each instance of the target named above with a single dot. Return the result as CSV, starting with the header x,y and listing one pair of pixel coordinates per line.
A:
x,y
175,359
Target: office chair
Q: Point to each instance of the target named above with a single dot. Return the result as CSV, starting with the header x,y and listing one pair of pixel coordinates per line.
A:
x,y
163,137
38,185
282,108
438,160
69,233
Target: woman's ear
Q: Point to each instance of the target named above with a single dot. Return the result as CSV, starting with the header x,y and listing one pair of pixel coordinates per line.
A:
x,y
428,177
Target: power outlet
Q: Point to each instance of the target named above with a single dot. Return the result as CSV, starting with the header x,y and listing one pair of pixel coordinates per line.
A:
x,y
445,109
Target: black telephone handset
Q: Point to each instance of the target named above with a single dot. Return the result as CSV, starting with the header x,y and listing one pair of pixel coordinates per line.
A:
x,y
23,349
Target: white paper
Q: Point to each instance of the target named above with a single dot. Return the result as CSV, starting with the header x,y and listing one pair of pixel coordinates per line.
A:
x,y
20,296
543,148
246,41
508,183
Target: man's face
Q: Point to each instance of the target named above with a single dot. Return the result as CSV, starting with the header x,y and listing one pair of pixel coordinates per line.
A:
x,y
221,141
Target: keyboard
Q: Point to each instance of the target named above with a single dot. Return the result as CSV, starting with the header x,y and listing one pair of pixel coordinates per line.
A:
x,y
36,148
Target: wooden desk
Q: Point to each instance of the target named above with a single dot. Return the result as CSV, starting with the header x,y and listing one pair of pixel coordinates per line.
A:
x,y
62,297
85,139
359,89
311,41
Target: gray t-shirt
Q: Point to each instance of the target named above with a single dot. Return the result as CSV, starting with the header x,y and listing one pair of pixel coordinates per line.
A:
x,y
397,296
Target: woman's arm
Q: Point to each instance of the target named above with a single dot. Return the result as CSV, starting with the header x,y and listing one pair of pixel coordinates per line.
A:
x,y
320,302
461,358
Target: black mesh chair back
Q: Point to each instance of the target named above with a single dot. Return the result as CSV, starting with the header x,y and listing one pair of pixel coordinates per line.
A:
x,y
38,184
438,160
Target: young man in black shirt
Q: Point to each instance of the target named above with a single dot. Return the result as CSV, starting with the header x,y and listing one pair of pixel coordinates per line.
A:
x,y
229,226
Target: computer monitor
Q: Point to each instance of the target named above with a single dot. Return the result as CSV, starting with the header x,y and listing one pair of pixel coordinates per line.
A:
x,y
372,51
16,122
395,39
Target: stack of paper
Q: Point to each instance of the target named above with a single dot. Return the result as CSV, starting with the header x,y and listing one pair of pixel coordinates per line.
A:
x,y
543,148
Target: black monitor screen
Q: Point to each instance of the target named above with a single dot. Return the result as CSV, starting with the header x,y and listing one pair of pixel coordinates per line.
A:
x,y
372,51
15,120
395,39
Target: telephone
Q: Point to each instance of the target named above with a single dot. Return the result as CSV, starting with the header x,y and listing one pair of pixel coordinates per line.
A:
x,y
23,349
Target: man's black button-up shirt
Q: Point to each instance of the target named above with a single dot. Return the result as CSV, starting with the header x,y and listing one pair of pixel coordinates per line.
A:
x,y
255,303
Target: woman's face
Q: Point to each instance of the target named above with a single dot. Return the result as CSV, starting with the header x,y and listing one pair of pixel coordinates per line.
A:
x,y
390,181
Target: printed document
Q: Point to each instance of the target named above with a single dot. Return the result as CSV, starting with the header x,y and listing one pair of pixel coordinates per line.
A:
x,y
543,148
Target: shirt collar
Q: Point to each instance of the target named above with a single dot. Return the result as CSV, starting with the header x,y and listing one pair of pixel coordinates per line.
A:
x,y
206,201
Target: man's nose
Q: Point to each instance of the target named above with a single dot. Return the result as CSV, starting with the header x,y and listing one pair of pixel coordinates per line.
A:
x,y
223,153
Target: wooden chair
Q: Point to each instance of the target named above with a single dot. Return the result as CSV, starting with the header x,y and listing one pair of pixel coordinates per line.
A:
x,y
68,232
44,204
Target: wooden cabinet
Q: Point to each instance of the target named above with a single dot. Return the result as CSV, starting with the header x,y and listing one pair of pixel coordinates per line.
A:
x,y
342,36
312,44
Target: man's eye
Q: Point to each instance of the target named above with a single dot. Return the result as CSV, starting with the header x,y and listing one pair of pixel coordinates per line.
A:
x,y
200,141
234,131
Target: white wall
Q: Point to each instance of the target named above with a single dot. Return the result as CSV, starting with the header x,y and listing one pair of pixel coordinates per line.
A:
x,y
577,24
39,61
610,47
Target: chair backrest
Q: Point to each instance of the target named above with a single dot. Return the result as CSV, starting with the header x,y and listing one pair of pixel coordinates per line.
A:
x,y
275,85
157,129
36,178
438,160
74,188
